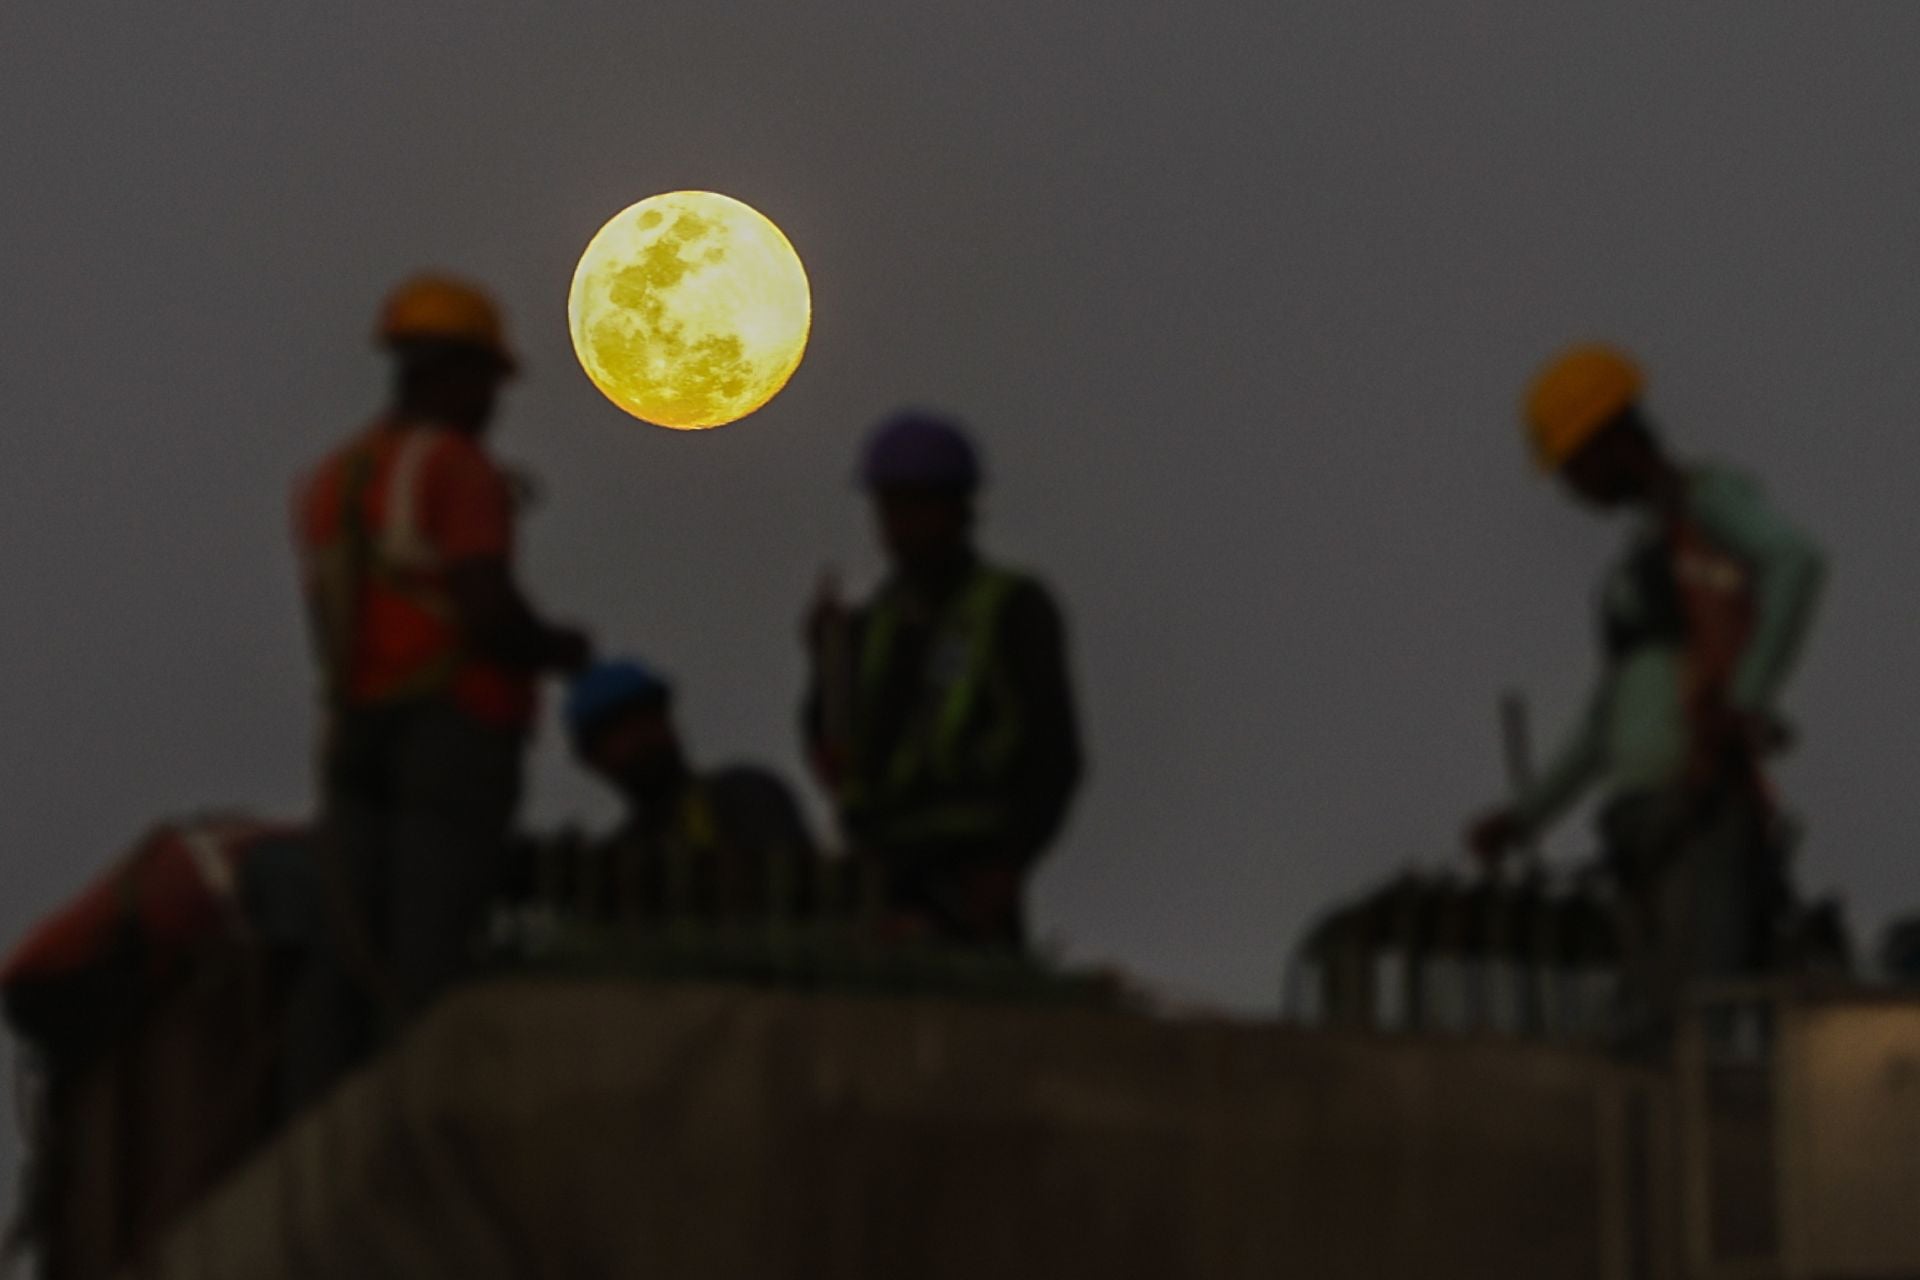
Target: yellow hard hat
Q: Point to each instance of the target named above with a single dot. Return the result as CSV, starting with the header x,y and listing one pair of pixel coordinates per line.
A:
x,y
442,309
1575,394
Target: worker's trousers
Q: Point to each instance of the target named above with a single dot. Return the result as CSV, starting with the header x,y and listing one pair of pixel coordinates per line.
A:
x,y
1700,887
968,895
419,800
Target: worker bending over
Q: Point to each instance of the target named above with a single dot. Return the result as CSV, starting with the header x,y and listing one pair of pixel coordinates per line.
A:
x,y
1700,622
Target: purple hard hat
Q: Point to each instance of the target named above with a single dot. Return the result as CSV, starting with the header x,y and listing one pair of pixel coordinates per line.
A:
x,y
914,449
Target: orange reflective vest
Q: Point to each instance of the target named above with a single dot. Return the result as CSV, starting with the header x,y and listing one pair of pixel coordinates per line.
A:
x,y
379,524
178,885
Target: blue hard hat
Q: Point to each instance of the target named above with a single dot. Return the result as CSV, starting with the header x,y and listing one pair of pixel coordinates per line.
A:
x,y
914,449
606,689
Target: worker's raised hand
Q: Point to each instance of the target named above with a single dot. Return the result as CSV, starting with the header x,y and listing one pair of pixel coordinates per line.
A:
x,y
1492,835
827,611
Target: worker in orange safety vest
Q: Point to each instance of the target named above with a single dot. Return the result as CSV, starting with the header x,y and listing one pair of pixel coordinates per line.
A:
x,y
429,652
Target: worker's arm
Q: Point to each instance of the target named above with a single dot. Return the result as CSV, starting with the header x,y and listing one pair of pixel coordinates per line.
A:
x,y
1048,769
469,512
1787,570
1573,768
500,625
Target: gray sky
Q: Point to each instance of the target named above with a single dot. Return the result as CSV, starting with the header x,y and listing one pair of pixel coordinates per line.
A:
x,y
1239,297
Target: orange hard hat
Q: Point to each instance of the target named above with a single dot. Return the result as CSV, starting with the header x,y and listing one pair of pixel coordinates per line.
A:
x,y
1575,394
442,309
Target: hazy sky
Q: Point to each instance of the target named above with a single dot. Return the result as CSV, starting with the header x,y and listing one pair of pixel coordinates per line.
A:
x,y
1239,297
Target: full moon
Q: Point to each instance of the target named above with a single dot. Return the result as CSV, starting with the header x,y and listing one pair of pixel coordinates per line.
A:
x,y
689,310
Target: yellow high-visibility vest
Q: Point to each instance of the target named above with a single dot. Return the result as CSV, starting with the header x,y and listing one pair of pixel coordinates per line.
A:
x,y
945,776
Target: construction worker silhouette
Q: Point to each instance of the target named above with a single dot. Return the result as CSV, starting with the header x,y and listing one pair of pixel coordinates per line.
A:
x,y
428,650
1701,621
941,714
693,843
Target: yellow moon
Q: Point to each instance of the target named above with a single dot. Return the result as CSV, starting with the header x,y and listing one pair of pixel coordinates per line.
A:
x,y
689,310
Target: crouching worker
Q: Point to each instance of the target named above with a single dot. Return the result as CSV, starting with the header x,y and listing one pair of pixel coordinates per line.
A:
x,y
148,1006
730,843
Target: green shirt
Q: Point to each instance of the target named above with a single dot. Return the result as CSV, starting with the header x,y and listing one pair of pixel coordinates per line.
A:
x,y
1634,732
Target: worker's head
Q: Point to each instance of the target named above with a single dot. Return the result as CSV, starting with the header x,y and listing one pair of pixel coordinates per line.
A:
x,y
450,347
619,718
922,472
1618,465
1583,417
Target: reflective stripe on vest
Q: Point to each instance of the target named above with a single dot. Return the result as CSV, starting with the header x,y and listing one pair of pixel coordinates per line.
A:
x,y
938,821
945,746
695,825
396,557
691,840
403,548
209,848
